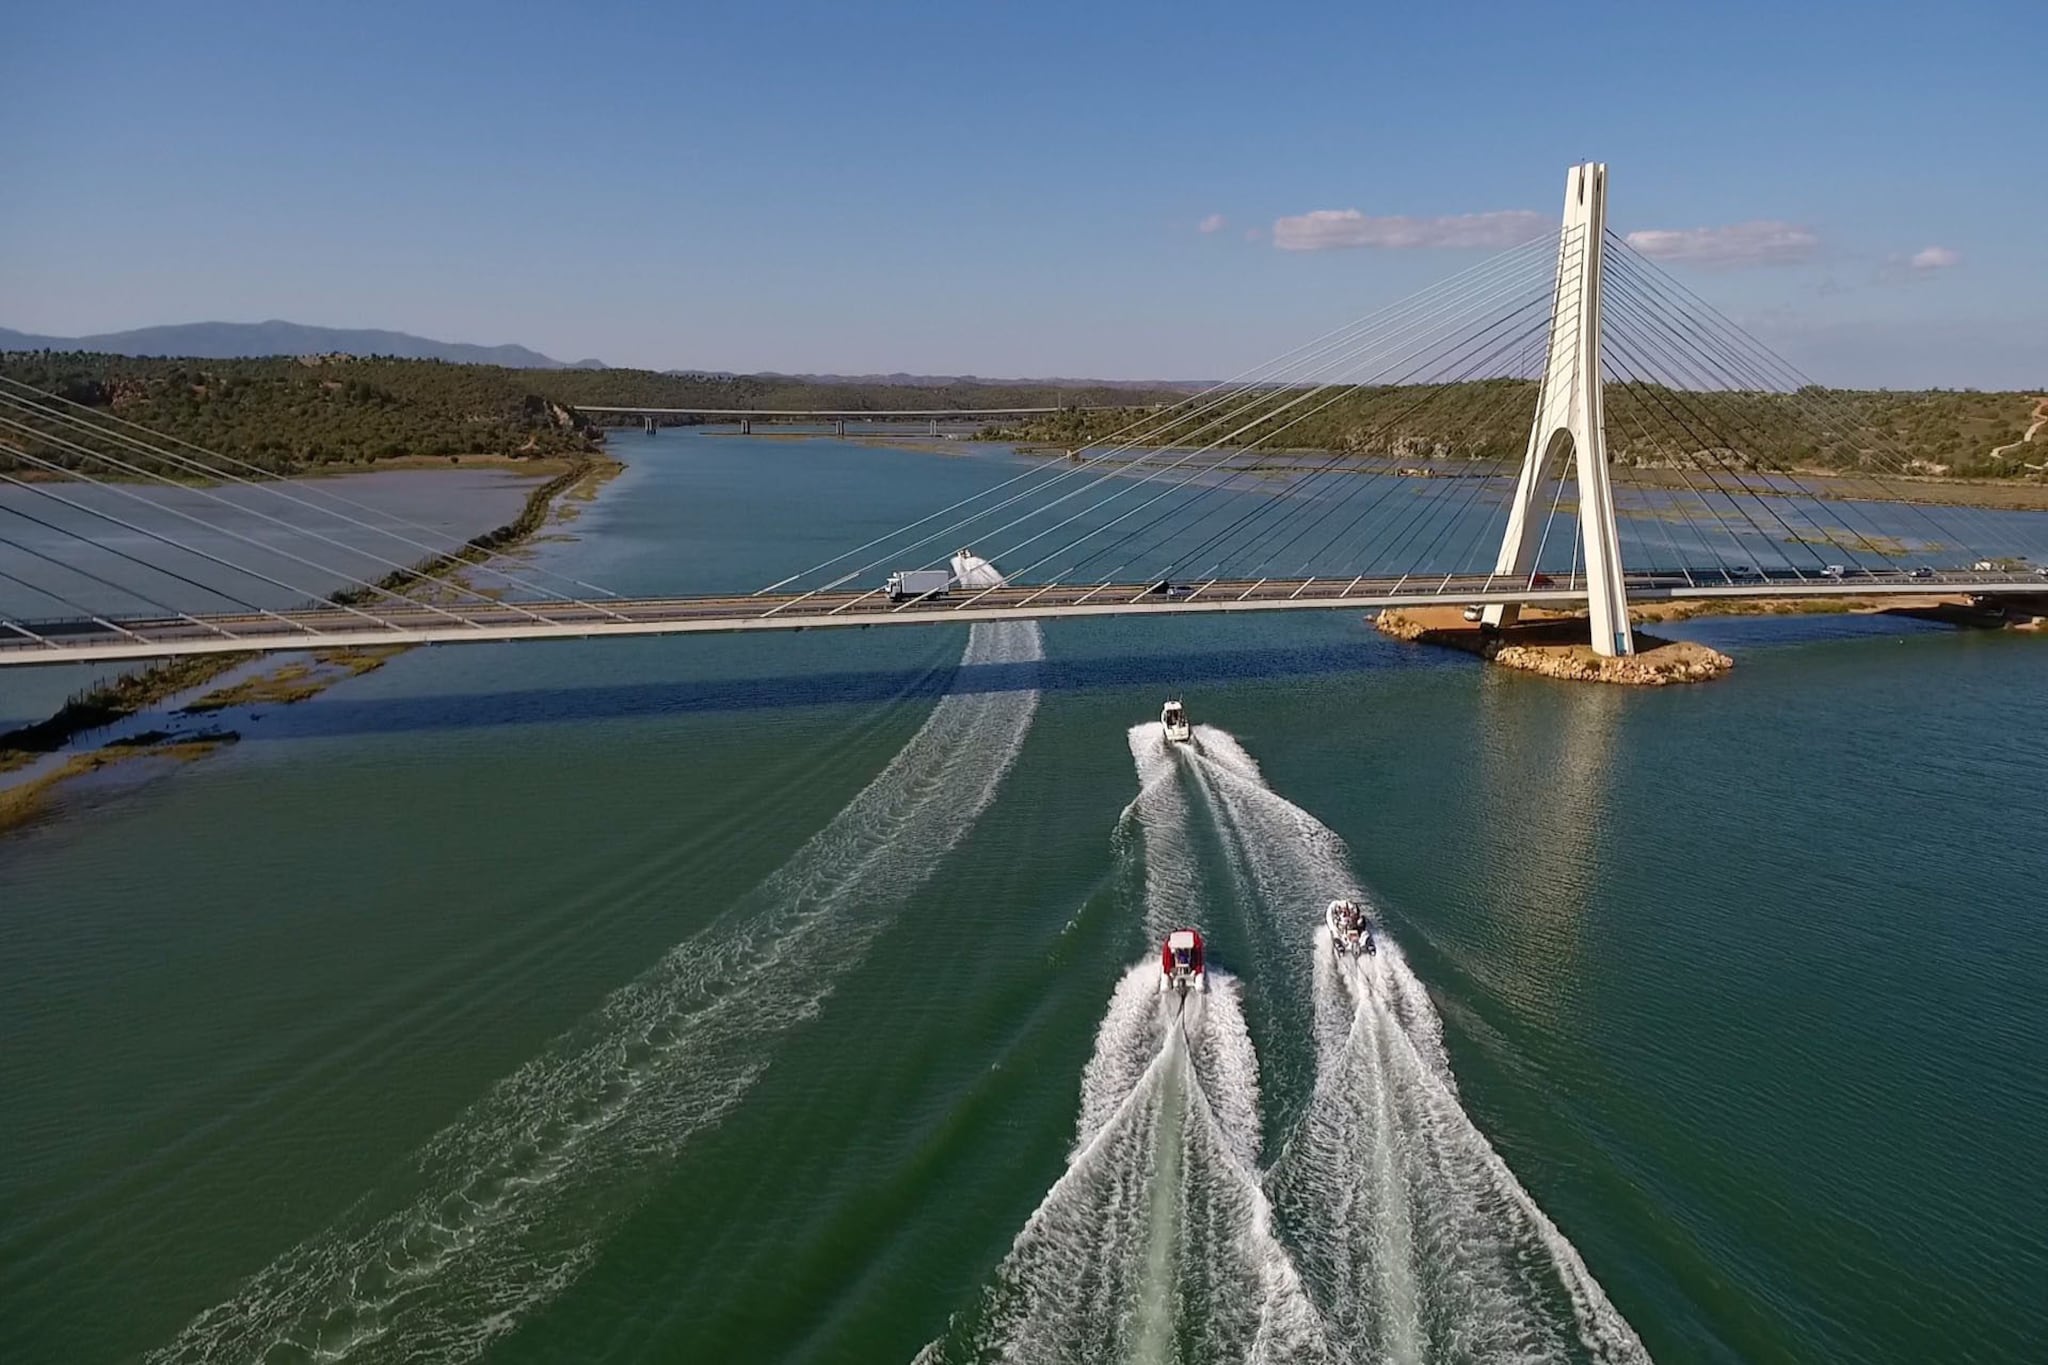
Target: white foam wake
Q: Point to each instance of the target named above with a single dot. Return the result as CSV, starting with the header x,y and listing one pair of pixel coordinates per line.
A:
x,y
1158,817
1156,1243
1415,1238
509,1203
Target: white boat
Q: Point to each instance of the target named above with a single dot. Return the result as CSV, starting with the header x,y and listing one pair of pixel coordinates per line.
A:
x,y
1173,718
1350,930
1181,964
970,570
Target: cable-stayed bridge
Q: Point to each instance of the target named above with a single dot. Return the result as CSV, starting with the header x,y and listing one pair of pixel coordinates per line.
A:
x,y
1564,424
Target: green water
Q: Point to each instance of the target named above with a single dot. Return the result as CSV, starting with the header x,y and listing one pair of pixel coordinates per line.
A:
x,y
733,999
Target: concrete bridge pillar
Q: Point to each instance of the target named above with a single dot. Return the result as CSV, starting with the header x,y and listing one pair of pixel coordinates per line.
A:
x,y
648,425
746,426
1571,425
935,426
839,427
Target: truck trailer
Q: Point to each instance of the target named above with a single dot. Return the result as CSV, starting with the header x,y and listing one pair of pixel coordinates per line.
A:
x,y
918,583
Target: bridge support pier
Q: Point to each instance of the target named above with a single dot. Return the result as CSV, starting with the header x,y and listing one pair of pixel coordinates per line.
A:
x,y
648,425
935,426
746,426
839,427
1570,422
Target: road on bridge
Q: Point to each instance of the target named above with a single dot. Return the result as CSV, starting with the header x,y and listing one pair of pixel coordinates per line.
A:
x,y
111,639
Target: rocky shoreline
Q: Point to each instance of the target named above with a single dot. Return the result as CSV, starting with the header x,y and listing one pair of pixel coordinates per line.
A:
x,y
1557,647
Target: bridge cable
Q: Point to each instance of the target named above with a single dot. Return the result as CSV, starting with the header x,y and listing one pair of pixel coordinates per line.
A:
x,y
1373,344
1292,490
175,544
1514,397
212,591
1303,397
1634,412
1437,389
1676,402
211,496
1514,393
1265,395
1659,392
1636,407
1625,412
1563,315
1212,490
1657,396
1247,381
1430,506
1676,391
106,420
1745,355
14,403
247,540
1161,423
83,612
1440,385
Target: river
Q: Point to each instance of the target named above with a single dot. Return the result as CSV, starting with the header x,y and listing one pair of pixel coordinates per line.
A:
x,y
784,998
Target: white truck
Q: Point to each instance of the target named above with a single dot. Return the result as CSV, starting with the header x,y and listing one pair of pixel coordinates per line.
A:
x,y
918,583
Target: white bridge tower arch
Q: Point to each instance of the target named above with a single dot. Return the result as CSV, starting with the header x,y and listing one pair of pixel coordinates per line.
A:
x,y
1569,420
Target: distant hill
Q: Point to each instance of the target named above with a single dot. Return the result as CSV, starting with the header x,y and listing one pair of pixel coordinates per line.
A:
x,y
295,412
946,381
241,340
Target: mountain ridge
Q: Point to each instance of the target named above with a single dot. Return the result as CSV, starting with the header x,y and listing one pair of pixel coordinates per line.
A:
x,y
275,336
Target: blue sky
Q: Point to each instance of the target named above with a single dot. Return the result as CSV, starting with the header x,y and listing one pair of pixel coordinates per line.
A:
x,y
1008,189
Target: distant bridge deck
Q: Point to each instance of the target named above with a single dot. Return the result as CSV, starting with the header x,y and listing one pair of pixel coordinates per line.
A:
x,y
111,640
833,414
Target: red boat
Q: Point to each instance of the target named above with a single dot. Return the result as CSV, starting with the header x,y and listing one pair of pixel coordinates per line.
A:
x,y
1181,964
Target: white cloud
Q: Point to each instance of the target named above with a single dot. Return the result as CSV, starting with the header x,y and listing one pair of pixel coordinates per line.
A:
x,y
1903,268
1765,242
1215,222
1334,229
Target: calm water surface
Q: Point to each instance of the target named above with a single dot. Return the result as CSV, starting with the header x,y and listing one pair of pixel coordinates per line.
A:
x,y
745,998
357,528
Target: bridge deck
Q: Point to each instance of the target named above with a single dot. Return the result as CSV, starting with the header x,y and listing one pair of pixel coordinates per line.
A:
x,y
115,639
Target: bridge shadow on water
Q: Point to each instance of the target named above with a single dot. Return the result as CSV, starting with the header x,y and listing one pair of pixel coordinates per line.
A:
x,y
331,716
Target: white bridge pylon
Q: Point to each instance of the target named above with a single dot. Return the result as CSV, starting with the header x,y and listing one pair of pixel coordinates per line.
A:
x,y
1569,418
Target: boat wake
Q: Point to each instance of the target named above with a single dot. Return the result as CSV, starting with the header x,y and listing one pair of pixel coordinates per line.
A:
x,y
1414,1238
506,1206
1156,1243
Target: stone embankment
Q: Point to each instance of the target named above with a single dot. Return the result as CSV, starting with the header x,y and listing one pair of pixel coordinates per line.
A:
x,y
1557,647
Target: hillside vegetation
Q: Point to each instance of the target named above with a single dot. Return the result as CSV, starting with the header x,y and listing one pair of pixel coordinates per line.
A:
x,y
1938,434
291,414
295,414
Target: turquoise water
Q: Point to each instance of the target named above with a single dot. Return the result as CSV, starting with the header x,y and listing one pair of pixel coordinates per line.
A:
x,y
748,998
